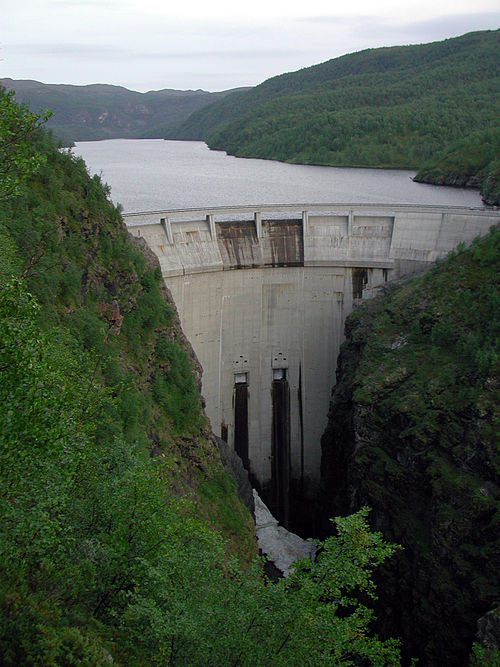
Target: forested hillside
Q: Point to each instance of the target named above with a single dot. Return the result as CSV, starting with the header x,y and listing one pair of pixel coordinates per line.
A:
x,y
414,431
387,107
471,162
99,111
122,539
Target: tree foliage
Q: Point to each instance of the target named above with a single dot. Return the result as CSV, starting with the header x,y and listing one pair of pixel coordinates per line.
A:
x,y
18,158
97,554
473,161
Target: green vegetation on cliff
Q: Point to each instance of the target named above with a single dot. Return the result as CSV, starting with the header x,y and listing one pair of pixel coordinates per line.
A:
x,y
387,107
122,539
414,431
472,162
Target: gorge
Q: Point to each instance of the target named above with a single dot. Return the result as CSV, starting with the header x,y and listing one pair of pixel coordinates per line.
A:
x,y
112,486
412,593
339,348
122,537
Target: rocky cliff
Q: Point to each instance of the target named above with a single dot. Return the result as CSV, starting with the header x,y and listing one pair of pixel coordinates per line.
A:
x,y
413,432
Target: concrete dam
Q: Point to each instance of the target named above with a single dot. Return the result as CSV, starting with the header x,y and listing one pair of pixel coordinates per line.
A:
x,y
263,294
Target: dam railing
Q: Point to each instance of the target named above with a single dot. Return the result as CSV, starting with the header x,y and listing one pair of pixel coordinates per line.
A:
x,y
135,218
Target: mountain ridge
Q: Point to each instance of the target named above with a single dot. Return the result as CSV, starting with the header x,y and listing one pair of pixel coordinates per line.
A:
x,y
408,107
105,111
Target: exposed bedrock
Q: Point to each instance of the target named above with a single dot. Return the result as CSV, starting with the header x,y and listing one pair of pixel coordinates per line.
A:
x,y
488,631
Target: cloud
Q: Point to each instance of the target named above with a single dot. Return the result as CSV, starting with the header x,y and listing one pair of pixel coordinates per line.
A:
x,y
98,51
334,19
69,49
100,4
145,46
431,30
229,53
451,24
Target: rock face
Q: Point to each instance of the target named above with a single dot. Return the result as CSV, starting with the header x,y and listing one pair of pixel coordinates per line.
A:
x,y
413,433
232,462
488,630
277,543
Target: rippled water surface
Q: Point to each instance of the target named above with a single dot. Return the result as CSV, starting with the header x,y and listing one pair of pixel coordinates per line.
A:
x,y
152,174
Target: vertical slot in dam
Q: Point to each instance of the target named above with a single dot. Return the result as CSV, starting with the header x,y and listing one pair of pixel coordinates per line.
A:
x,y
280,450
241,419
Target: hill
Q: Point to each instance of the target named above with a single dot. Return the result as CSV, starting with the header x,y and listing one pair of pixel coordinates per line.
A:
x,y
386,107
99,111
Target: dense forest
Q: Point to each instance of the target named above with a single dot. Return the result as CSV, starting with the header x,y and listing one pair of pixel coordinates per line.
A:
x,y
122,538
386,107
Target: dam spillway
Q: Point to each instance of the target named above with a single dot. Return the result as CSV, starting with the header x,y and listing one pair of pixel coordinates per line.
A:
x,y
263,294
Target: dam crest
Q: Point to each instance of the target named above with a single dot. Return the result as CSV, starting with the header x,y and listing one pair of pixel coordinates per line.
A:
x,y
263,293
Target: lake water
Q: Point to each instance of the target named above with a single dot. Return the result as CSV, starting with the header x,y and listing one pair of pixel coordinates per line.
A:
x,y
152,174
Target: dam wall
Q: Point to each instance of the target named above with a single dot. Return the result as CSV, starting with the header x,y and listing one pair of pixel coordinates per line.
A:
x,y
263,294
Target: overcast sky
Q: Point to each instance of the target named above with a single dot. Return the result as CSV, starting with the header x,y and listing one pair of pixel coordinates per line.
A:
x,y
214,45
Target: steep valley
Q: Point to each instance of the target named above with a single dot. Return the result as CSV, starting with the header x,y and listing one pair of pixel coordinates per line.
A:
x,y
123,539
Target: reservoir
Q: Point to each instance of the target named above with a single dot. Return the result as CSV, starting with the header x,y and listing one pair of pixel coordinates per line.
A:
x,y
152,174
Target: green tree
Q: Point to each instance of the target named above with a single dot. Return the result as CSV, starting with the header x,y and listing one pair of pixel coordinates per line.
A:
x,y
193,612
18,158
